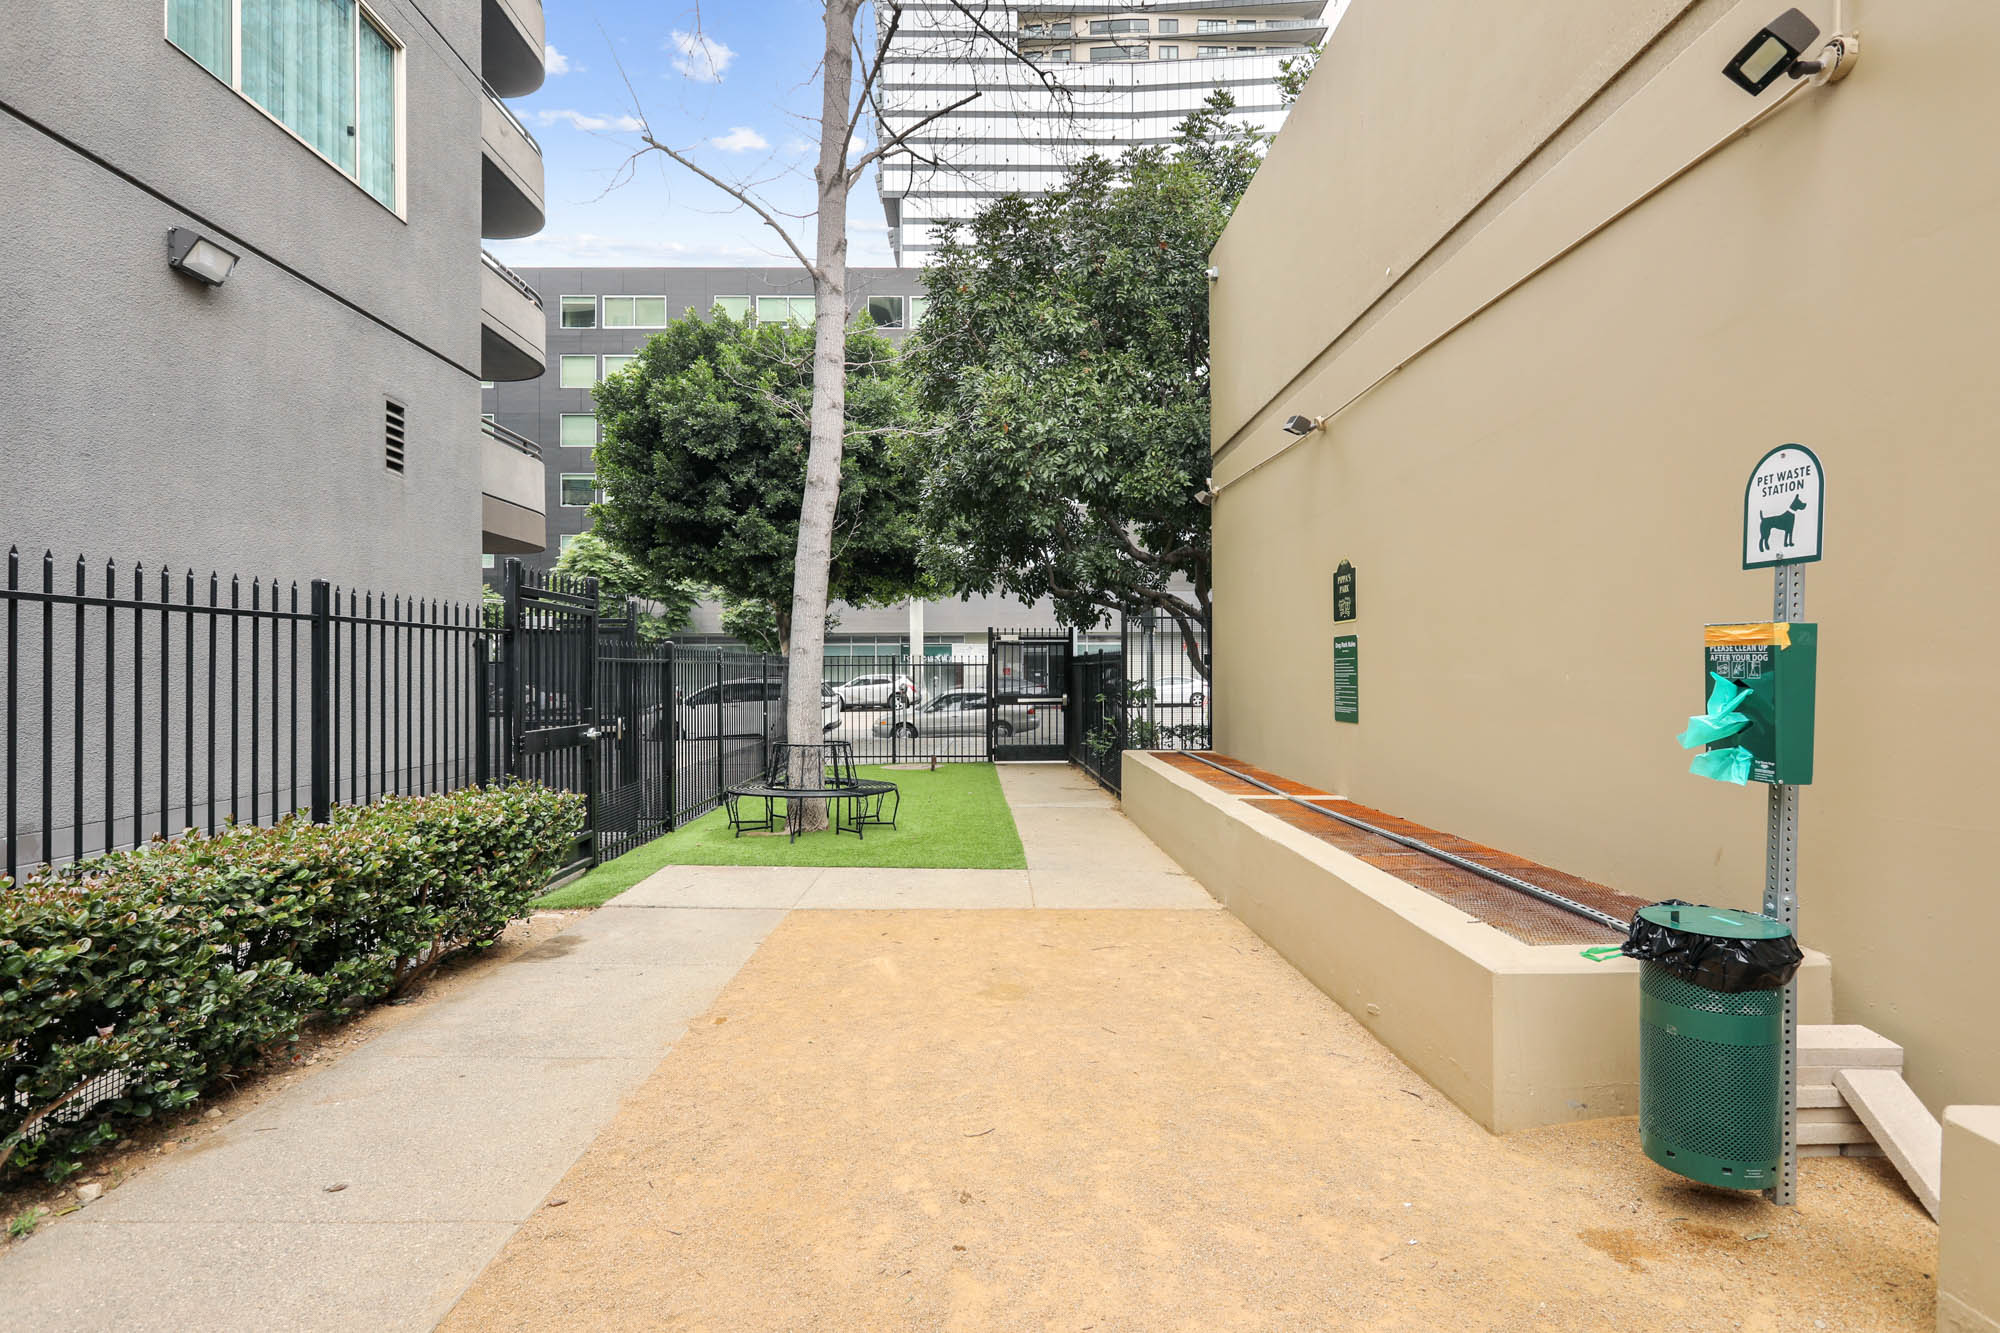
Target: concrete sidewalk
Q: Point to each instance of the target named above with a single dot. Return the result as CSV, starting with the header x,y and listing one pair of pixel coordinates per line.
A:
x,y
372,1193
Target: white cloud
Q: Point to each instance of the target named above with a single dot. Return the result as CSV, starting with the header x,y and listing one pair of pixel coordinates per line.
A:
x,y
700,57
578,120
555,61
740,139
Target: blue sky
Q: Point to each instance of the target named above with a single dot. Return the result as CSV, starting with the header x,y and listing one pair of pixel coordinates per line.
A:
x,y
734,82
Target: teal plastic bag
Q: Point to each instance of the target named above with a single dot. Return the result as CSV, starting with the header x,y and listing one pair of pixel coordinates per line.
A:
x,y
1731,765
1721,721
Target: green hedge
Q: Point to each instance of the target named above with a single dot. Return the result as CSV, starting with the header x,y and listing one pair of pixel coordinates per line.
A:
x,y
147,974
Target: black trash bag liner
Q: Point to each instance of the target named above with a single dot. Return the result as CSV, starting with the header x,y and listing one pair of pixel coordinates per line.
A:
x,y
1715,964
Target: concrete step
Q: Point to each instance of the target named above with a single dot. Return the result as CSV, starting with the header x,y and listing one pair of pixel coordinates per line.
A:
x,y
1844,1046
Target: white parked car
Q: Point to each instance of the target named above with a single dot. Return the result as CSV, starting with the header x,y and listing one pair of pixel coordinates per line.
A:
x,y
877,691
1189,690
739,708
960,713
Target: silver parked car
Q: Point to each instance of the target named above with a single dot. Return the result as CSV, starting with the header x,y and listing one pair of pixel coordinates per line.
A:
x,y
959,713
744,706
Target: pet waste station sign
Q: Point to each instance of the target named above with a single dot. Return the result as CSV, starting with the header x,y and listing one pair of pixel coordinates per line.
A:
x,y
1783,509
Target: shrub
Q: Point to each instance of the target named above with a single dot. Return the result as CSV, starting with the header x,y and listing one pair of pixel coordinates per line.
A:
x,y
130,982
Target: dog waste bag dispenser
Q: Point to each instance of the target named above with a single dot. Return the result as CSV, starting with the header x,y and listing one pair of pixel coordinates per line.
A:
x,y
1778,664
1711,1034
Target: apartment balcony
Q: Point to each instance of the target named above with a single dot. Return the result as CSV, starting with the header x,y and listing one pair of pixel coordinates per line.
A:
x,y
513,491
511,175
513,331
510,47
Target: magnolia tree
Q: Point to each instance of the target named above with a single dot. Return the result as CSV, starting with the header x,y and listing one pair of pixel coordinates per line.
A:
x,y
1065,362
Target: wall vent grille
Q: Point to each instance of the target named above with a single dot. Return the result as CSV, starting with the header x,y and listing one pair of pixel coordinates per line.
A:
x,y
393,434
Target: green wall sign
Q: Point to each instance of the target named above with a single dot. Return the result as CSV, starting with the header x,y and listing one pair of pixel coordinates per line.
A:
x,y
1346,678
1343,593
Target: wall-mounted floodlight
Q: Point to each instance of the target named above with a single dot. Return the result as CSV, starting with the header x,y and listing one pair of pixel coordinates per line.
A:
x,y
1214,273
192,253
1303,425
1775,50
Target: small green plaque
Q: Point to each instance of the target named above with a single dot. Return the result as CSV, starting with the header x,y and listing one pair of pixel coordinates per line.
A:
x,y
1343,593
1346,678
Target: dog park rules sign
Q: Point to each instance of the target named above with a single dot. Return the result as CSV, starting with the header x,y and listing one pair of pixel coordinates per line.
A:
x,y
1783,512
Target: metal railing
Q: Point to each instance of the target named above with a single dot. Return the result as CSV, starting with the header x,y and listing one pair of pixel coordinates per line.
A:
x,y
512,439
512,119
514,279
140,703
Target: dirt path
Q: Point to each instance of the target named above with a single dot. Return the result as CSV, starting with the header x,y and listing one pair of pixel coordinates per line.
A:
x,y
1136,1121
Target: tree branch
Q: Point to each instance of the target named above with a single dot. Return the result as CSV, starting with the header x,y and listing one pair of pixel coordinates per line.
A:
x,y
894,142
740,195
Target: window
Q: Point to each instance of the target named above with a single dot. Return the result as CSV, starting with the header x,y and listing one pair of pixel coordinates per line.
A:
x,y
635,312
1213,51
577,372
1098,53
886,311
486,562
1054,56
1112,27
1167,52
578,430
324,69
918,306
1211,25
488,416
486,384
578,489
562,542
1168,27
579,312
614,364
783,309
1245,23
736,307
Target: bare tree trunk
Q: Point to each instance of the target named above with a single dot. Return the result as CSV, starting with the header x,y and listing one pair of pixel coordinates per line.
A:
x,y
829,390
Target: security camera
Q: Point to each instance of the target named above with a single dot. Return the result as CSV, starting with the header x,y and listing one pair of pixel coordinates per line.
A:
x,y
1302,425
1204,497
1214,273
1773,51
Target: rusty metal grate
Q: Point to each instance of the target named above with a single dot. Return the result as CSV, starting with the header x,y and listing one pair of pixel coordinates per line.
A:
x,y
1526,919
1236,786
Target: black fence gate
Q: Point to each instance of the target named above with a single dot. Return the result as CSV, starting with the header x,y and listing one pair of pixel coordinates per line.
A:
x,y
548,682
1027,683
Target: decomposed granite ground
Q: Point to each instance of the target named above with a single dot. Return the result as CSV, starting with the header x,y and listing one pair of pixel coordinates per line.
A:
x,y
1125,1120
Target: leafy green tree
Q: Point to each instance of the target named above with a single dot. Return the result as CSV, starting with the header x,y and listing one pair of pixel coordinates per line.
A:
x,y
704,457
1065,361
1293,71
666,606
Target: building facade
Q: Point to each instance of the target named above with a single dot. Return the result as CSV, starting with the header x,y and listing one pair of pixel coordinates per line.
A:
x,y
1051,84
250,314
1549,312
598,318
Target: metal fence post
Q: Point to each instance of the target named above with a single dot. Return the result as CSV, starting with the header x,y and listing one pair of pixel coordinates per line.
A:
x,y
482,739
322,701
721,713
671,704
510,669
589,714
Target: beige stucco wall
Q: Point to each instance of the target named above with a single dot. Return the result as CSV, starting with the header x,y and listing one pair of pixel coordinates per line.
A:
x,y
1542,505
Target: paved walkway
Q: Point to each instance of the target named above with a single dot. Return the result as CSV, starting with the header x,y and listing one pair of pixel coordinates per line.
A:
x,y
371,1194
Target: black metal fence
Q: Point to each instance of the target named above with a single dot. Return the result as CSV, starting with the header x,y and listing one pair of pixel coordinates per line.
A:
x,y
140,704
1152,693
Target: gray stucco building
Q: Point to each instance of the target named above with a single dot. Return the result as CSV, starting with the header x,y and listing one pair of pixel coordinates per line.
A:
x,y
596,316
315,414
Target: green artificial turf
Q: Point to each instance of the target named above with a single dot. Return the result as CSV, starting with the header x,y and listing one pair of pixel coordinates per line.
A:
x,y
952,818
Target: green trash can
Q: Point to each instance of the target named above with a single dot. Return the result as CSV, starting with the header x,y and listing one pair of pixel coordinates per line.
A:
x,y
1710,1082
